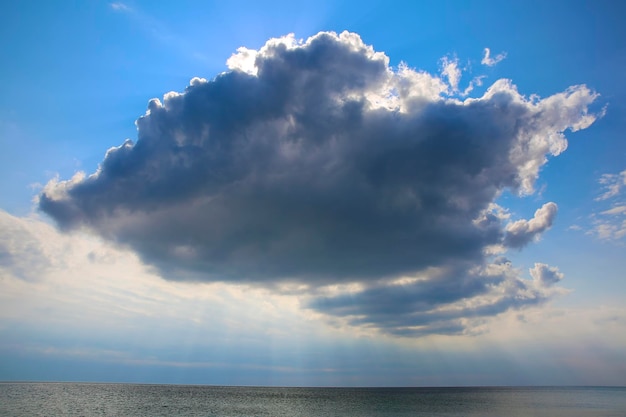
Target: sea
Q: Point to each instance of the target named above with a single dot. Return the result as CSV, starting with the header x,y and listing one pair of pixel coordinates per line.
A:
x,y
128,400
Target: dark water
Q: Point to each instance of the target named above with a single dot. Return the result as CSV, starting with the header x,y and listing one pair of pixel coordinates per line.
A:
x,y
78,399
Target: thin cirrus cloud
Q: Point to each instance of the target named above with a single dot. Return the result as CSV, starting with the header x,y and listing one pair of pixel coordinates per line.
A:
x,y
118,6
157,30
609,224
315,163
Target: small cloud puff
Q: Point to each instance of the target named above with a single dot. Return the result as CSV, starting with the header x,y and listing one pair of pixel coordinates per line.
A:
x,y
545,275
489,61
612,185
522,232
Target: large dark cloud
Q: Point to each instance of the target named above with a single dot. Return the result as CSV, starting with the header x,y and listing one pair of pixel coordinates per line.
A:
x,y
315,162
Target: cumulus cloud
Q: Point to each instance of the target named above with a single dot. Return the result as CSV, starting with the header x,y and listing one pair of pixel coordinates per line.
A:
x,y
316,163
450,301
489,61
545,275
520,233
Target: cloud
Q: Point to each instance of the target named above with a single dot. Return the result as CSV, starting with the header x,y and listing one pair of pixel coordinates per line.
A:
x,y
157,30
522,232
545,275
316,163
489,61
102,314
450,69
119,6
609,224
612,184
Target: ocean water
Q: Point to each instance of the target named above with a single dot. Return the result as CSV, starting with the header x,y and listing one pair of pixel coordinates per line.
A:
x,y
87,399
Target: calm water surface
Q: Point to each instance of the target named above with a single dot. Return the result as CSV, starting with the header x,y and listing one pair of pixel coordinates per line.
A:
x,y
84,399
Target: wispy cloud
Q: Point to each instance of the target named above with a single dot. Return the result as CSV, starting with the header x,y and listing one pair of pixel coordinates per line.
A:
x,y
489,61
157,30
118,6
609,224
612,185
77,284
452,72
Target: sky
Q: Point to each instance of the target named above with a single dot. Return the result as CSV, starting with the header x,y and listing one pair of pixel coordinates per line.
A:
x,y
332,193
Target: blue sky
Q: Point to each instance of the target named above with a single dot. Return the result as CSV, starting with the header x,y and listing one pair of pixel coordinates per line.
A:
x,y
370,205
